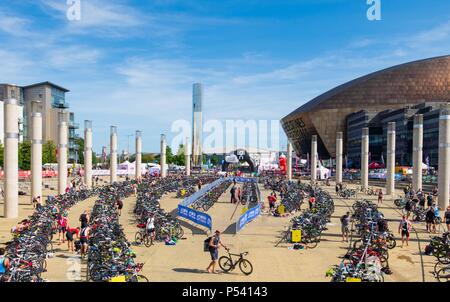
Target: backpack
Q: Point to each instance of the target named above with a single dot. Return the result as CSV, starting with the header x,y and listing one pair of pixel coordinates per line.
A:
x,y
206,244
428,250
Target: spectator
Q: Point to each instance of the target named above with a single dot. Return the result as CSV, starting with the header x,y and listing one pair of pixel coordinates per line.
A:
x,y
430,199
119,205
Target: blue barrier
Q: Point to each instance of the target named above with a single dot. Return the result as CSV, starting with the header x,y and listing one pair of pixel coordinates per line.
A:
x,y
195,216
248,216
243,179
197,195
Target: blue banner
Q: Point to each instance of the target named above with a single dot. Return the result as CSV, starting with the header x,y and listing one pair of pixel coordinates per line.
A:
x,y
248,216
243,179
195,216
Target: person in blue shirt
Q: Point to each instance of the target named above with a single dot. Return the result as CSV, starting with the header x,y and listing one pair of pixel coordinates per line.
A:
x,y
437,215
4,263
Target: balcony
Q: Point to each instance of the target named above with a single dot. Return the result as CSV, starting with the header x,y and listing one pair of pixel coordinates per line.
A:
x,y
61,104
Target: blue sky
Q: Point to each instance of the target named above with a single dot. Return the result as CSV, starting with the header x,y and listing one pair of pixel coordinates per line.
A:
x,y
132,63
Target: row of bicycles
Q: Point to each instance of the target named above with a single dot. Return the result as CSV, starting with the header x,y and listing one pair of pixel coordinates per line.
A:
x,y
149,195
188,184
311,222
440,248
347,193
367,258
31,245
250,194
110,257
205,202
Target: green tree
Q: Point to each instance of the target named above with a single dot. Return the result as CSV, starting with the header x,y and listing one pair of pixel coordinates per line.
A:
x,y
169,155
25,155
148,158
214,160
49,152
79,141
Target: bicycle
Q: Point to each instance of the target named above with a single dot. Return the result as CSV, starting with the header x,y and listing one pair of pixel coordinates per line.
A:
x,y
142,237
227,264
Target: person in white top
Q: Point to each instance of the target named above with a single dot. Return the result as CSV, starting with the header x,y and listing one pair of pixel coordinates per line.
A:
x,y
150,226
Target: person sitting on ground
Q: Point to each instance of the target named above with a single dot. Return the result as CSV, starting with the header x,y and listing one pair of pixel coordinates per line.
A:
x,y
4,264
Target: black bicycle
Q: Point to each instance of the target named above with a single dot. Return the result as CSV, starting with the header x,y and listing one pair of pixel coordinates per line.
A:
x,y
227,264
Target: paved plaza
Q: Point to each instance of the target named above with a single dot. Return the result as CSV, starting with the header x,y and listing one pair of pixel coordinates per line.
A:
x,y
186,261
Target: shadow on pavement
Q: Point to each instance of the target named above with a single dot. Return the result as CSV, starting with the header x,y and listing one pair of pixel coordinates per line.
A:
x,y
189,270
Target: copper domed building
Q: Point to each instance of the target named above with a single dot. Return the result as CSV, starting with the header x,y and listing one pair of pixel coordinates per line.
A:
x,y
401,86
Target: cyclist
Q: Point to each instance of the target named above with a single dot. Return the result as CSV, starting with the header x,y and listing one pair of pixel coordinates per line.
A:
x,y
150,226
119,205
214,245
62,226
84,218
405,228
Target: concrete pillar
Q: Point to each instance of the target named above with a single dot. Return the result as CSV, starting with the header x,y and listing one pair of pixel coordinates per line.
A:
x,y
36,155
365,158
187,157
417,152
390,163
11,158
88,153
314,157
289,161
339,152
113,155
62,153
163,156
138,172
444,157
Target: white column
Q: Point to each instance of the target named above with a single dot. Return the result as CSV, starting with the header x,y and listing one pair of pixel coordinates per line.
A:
x,y
365,158
163,156
417,152
113,155
88,153
314,157
390,163
138,172
339,152
187,157
289,161
62,153
11,158
36,155
444,157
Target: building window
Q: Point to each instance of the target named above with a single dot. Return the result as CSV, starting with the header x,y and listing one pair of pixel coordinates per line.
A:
x,y
58,97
